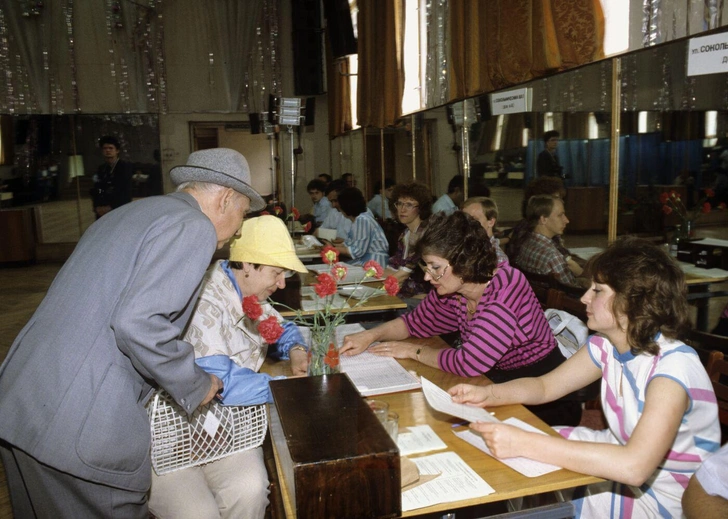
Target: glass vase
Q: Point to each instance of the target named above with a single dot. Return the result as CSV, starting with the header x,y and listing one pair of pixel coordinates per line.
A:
x,y
323,356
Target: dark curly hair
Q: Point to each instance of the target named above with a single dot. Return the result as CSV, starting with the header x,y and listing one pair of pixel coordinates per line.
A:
x,y
352,202
462,241
649,289
418,192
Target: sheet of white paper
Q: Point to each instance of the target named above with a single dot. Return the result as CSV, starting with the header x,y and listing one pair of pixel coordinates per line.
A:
x,y
211,424
586,252
440,400
310,305
456,481
419,439
527,467
689,268
326,234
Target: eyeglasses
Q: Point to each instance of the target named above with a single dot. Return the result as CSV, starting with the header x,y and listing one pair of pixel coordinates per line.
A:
x,y
432,272
405,205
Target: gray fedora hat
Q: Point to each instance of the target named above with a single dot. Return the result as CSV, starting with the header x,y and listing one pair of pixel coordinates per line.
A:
x,y
221,166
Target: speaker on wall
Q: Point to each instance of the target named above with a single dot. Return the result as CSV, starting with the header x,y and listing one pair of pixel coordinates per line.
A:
x,y
308,68
310,111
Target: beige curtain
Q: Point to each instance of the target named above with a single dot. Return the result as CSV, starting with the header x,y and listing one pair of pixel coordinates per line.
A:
x,y
499,43
381,72
339,90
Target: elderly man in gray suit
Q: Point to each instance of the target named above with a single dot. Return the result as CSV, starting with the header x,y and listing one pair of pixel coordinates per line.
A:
x,y
75,434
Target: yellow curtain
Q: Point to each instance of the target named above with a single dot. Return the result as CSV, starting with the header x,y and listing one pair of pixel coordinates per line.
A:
x,y
381,71
339,90
498,43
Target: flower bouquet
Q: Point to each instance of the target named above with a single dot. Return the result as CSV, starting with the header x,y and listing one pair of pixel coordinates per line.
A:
x,y
672,203
323,355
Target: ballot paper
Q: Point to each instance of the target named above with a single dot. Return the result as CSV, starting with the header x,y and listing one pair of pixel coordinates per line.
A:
x,y
527,467
418,439
442,401
456,481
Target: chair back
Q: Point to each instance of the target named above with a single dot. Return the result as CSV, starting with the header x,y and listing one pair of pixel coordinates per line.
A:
x,y
718,373
708,341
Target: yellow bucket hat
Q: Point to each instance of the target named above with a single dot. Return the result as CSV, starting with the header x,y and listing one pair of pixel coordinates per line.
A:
x,y
265,241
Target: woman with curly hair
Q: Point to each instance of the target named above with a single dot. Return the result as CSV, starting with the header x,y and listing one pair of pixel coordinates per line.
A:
x,y
413,205
657,399
503,329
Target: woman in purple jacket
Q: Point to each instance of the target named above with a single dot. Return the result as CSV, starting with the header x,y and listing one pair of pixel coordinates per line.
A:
x,y
503,329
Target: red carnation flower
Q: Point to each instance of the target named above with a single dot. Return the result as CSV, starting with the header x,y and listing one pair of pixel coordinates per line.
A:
x,y
339,271
270,329
391,285
264,213
252,308
706,208
332,356
330,255
664,197
307,227
373,269
667,209
721,206
296,214
278,210
326,285
709,193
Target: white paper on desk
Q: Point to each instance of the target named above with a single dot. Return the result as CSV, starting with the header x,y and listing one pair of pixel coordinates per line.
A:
x,y
317,303
326,234
442,401
527,467
419,439
457,481
310,241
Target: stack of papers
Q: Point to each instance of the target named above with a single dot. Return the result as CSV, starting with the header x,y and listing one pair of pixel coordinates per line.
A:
x,y
456,481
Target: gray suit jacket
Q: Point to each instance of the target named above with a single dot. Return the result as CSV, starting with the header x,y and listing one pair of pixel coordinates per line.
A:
x,y
74,384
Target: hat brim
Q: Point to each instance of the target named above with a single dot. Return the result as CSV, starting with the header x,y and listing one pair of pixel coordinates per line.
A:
x,y
286,260
180,174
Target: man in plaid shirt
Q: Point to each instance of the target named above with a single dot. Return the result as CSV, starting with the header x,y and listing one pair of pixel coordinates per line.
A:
x,y
539,254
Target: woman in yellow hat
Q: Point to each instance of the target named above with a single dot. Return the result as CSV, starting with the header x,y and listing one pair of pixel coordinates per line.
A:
x,y
232,330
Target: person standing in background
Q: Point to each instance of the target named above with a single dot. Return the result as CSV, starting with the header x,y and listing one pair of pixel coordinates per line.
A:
x,y
375,204
113,180
449,202
547,163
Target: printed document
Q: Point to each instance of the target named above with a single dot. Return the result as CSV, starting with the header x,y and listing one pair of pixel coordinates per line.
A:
x,y
418,439
456,481
527,467
441,400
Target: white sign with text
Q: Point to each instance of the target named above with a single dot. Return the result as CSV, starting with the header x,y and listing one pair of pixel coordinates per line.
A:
x,y
708,55
511,102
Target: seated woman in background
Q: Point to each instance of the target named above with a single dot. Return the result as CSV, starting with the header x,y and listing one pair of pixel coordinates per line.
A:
x,y
228,335
504,332
485,210
366,240
413,205
657,399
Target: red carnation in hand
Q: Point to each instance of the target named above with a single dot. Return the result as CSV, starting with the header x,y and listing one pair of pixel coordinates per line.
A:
x,y
330,255
270,329
667,209
706,208
664,197
391,285
709,193
307,227
339,271
296,214
252,308
332,356
326,285
373,269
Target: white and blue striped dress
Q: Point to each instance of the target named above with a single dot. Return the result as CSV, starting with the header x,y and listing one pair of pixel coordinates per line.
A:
x,y
367,241
697,437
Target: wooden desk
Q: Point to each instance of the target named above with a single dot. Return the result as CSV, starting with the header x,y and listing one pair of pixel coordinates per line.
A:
x,y
413,410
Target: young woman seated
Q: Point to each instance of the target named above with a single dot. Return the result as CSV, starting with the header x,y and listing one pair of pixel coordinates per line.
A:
x,y
658,401
366,240
503,329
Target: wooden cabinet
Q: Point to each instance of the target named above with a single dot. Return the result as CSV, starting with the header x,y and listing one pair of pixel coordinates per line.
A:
x,y
586,209
17,235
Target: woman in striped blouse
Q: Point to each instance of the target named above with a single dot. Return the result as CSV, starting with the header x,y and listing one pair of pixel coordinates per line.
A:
x,y
503,329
